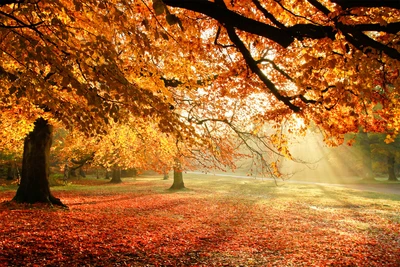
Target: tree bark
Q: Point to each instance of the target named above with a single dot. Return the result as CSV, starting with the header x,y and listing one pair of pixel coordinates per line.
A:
x,y
391,162
116,176
178,179
34,186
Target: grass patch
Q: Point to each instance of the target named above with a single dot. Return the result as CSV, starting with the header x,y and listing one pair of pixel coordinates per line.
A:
x,y
217,221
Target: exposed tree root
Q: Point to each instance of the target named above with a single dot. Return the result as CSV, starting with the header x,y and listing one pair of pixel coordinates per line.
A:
x,y
177,186
51,200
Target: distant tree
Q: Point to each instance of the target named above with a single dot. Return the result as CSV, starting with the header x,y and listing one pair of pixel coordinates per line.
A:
x,y
116,175
388,149
363,143
178,177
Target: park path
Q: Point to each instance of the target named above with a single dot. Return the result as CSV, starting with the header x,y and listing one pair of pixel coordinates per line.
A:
x,y
380,188
389,188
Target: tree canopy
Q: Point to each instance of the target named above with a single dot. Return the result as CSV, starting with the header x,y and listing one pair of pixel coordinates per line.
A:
x,y
181,64
335,63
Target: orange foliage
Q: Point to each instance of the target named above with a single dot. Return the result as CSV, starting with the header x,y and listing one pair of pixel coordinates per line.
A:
x,y
186,67
325,61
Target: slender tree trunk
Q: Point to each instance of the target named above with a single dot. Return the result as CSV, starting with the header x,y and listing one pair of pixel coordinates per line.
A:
x,y
11,171
34,186
82,172
391,162
72,172
366,156
166,175
116,176
178,179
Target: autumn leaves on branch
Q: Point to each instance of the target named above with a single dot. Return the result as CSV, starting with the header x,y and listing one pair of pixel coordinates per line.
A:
x,y
328,26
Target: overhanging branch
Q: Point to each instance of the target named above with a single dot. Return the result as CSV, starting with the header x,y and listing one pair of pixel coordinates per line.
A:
x,y
8,2
345,4
285,36
229,18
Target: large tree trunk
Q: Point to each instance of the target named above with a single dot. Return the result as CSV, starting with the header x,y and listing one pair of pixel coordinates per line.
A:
x,y
178,179
34,185
116,176
391,162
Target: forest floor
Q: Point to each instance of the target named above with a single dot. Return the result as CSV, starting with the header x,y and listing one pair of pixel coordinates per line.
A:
x,y
217,221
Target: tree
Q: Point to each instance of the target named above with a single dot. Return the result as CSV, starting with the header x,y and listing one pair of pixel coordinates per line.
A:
x,y
389,149
116,175
178,177
35,172
391,170
364,144
378,153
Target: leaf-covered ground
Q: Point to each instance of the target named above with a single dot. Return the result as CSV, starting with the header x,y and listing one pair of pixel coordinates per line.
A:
x,y
217,222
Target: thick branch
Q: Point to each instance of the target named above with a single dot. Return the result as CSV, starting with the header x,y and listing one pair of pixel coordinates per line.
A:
x,y
370,3
312,31
232,19
8,75
7,2
319,6
361,41
268,15
389,28
254,68
173,82
285,37
228,18
81,162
